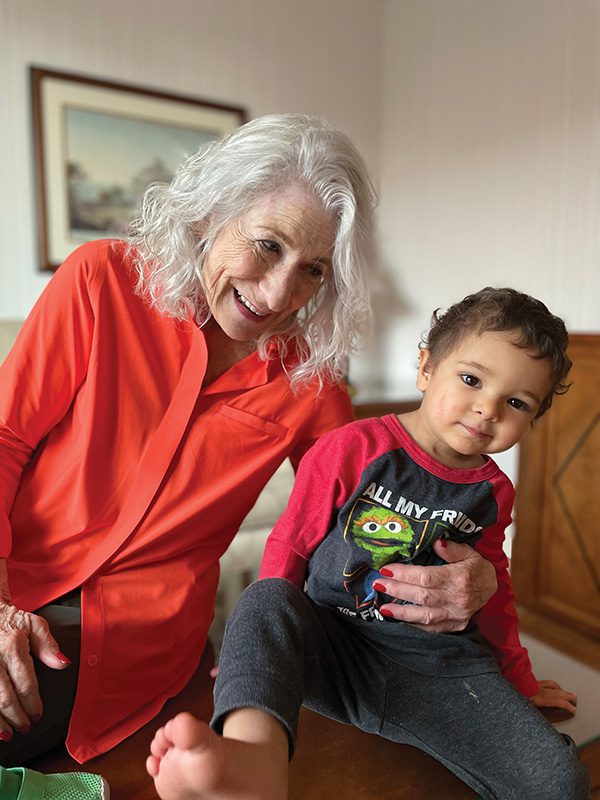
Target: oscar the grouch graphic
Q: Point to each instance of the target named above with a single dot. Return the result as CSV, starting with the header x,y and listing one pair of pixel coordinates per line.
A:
x,y
383,536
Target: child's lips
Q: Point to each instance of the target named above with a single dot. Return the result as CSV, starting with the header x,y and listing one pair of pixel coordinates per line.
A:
x,y
476,433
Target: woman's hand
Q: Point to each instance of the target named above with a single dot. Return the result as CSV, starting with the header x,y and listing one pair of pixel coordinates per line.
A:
x,y
445,597
23,634
551,695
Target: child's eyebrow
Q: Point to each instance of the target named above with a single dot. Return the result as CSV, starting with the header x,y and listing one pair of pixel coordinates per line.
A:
x,y
533,396
473,365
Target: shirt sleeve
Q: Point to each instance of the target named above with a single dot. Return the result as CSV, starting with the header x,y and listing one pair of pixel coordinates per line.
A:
x,y
325,478
497,621
40,376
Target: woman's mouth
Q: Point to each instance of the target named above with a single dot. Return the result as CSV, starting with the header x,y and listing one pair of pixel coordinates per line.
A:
x,y
248,305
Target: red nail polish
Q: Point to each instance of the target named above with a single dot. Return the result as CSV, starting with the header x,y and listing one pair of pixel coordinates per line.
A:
x,y
379,587
5,736
386,573
62,657
385,612
443,543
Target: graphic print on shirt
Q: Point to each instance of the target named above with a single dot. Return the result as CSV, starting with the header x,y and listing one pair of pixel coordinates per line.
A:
x,y
383,536
393,512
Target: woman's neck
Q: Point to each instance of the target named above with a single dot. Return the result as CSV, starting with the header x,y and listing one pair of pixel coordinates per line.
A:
x,y
223,352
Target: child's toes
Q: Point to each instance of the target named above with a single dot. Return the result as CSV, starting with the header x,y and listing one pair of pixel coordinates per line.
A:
x,y
188,733
152,766
160,744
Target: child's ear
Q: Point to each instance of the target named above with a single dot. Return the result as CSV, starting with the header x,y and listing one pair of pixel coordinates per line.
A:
x,y
424,370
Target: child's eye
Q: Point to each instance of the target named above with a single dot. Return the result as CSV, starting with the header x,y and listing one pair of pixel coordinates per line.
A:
x,y
269,245
470,380
514,402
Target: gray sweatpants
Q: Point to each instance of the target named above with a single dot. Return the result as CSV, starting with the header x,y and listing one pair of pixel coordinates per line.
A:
x,y
281,650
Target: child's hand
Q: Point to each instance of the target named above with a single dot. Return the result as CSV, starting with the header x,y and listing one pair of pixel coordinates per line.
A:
x,y
550,695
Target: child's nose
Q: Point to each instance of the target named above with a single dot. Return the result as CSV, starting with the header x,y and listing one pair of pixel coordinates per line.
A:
x,y
487,407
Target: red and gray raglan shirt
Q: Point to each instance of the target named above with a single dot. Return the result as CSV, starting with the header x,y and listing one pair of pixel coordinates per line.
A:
x,y
367,495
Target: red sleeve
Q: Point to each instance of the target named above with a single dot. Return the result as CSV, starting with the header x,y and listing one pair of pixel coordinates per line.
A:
x,y
497,621
42,372
325,478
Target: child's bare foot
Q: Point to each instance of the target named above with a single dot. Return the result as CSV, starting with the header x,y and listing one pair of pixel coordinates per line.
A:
x,y
189,761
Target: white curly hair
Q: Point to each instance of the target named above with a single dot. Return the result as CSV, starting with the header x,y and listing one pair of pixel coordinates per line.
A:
x,y
217,185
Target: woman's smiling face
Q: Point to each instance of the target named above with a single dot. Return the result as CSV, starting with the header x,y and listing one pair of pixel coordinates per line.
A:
x,y
268,264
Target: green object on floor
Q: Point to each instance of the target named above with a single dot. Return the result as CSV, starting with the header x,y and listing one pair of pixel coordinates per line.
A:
x,y
26,784
10,783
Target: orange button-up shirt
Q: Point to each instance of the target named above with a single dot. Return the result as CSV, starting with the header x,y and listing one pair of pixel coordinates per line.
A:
x,y
119,473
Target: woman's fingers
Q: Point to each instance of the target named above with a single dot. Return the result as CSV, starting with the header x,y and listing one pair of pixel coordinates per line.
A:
x,y
429,602
441,598
21,673
12,713
430,619
44,646
20,701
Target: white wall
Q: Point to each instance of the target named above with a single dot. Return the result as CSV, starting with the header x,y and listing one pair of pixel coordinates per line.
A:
x,y
490,166
482,118
312,56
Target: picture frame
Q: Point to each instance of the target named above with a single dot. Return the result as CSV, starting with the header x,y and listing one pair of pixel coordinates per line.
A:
x,y
98,144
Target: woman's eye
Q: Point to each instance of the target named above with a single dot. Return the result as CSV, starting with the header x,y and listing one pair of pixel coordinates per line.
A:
x,y
269,245
470,380
519,404
315,271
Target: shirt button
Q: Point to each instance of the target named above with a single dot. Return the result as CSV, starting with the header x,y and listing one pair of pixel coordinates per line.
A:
x,y
92,661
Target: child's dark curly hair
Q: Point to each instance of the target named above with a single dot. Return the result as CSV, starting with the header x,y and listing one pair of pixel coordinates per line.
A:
x,y
504,310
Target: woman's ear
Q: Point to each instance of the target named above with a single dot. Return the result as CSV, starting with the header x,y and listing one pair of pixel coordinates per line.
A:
x,y
202,232
424,370
200,227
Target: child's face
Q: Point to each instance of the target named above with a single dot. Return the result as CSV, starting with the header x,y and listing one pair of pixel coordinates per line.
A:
x,y
480,398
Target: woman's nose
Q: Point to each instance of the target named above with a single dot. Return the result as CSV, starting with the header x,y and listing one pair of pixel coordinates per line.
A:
x,y
278,287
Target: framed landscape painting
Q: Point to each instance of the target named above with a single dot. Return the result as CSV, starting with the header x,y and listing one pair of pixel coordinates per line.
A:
x,y
99,144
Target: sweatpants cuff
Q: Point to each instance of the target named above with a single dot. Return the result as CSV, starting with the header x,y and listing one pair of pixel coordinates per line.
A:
x,y
264,692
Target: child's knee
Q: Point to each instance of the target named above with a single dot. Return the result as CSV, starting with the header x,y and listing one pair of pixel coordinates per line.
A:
x,y
270,593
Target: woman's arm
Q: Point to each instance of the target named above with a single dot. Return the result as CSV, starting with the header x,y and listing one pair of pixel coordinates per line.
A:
x,y
38,381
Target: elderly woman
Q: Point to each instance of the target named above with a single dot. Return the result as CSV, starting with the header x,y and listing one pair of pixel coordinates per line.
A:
x,y
151,394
